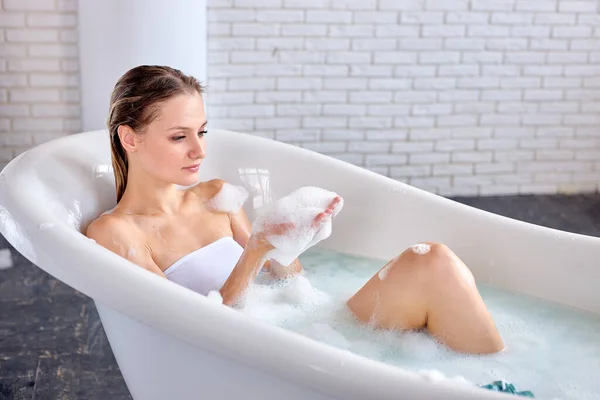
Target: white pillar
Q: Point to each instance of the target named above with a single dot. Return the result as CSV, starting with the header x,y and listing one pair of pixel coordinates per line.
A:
x,y
116,35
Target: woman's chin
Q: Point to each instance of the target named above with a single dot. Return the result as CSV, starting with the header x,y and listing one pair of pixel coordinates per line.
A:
x,y
190,180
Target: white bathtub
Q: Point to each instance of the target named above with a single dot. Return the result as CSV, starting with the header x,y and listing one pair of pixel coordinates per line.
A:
x,y
172,343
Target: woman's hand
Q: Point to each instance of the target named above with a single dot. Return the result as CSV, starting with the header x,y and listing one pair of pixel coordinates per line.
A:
x,y
259,239
256,250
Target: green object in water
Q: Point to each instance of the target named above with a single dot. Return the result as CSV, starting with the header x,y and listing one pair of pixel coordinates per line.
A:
x,y
506,387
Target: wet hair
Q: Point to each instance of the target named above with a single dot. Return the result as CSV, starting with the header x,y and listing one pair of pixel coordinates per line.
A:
x,y
135,102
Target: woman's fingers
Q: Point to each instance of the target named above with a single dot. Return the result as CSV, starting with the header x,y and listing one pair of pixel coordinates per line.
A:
x,y
321,218
280,229
334,203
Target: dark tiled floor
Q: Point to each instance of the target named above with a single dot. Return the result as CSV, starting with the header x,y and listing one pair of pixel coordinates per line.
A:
x,y
52,345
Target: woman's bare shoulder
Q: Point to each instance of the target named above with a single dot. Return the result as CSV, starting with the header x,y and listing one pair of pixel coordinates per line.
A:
x,y
119,234
113,231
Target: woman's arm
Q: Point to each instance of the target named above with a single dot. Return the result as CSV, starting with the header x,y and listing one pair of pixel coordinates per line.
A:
x,y
250,263
257,249
245,271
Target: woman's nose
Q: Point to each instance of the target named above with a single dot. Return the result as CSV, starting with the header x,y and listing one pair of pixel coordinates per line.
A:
x,y
198,149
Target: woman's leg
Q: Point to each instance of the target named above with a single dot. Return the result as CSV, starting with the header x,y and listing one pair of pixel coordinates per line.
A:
x,y
428,285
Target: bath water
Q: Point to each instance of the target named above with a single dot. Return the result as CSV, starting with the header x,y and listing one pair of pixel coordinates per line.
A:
x,y
552,351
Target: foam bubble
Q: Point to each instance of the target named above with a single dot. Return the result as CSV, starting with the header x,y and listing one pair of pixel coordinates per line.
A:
x,y
419,345
300,208
5,259
215,296
229,199
296,291
385,270
311,196
366,349
299,290
420,248
284,302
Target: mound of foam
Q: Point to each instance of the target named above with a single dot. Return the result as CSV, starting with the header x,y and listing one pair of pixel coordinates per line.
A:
x,y
298,290
420,248
327,334
229,199
284,302
300,209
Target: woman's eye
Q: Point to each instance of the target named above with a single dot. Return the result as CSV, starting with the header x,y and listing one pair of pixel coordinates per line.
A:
x,y
202,133
177,138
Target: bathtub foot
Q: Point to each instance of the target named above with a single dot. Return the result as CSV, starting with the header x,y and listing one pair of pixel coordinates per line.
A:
x,y
432,289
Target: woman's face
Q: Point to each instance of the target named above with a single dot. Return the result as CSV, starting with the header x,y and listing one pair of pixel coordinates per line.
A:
x,y
172,147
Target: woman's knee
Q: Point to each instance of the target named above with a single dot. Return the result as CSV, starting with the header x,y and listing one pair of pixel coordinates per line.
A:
x,y
433,260
424,255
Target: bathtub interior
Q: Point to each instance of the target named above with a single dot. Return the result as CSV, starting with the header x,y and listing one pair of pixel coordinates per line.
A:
x,y
51,193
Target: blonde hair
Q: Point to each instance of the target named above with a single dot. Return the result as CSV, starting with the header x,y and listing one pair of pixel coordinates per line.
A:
x,y
135,103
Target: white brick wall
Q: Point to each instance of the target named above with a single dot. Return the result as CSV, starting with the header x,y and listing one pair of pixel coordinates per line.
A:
x,y
455,96
39,82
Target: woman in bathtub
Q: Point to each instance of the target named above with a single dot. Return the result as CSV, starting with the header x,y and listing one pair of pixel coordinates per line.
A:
x,y
157,126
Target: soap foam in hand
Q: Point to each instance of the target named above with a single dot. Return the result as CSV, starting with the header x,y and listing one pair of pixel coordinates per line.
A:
x,y
229,199
299,208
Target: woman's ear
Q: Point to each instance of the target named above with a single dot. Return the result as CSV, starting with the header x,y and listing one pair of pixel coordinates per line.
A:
x,y
127,137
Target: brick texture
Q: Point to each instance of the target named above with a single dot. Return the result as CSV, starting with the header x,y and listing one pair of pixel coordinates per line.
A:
x,y
459,97
39,80
453,96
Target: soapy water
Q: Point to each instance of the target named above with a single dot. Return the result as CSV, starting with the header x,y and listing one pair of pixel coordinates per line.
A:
x,y
550,350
